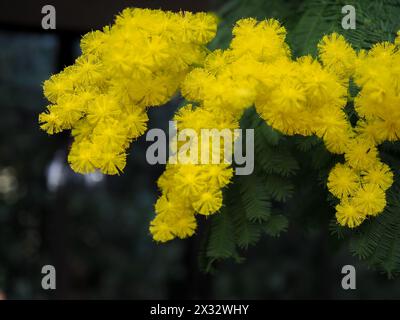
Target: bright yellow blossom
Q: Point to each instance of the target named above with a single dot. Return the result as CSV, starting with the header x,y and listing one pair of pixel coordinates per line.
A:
x,y
347,214
343,181
380,175
370,199
337,55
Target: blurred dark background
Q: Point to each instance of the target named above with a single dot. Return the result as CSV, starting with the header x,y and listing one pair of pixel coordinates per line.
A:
x,y
94,229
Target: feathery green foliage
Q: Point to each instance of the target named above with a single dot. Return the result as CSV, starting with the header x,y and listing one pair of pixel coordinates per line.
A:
x,y
375,21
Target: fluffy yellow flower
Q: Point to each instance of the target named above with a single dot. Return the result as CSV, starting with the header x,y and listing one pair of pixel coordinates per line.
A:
x,y
334,128
219,175
343,181
336,54
110,161
360,154
51,121
370,199
81,156
160,230
380,175
347,214
184,226
208,202
189,180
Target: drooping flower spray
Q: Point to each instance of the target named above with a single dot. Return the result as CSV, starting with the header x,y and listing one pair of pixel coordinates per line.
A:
x,y
148,55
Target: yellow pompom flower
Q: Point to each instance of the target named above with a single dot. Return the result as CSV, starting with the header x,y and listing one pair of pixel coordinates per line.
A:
x,y
82,130
360,154
110,134
103,109
50,121
334,128
81,156
135,121
263,40
380,175
209,202
219,175
370,199
110,161
370,131
347,214
58,85
343,181
185,226
189,180
336,54
160,230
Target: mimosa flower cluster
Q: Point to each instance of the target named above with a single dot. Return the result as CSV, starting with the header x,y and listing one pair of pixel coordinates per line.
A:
x,y
362,180
147,55
222,89
307,97
138,62
304,96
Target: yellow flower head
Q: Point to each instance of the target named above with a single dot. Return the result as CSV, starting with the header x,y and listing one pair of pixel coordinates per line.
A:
x,y
343,181
347,214
81,156
184,226
360,154
208,202
380,175
370,199
336,54
160,230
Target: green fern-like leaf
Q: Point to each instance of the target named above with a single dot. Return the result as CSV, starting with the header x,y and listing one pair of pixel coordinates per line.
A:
x,y
306,144
221,242
375,21
254,198
246,232
271,159
280,188
276,225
